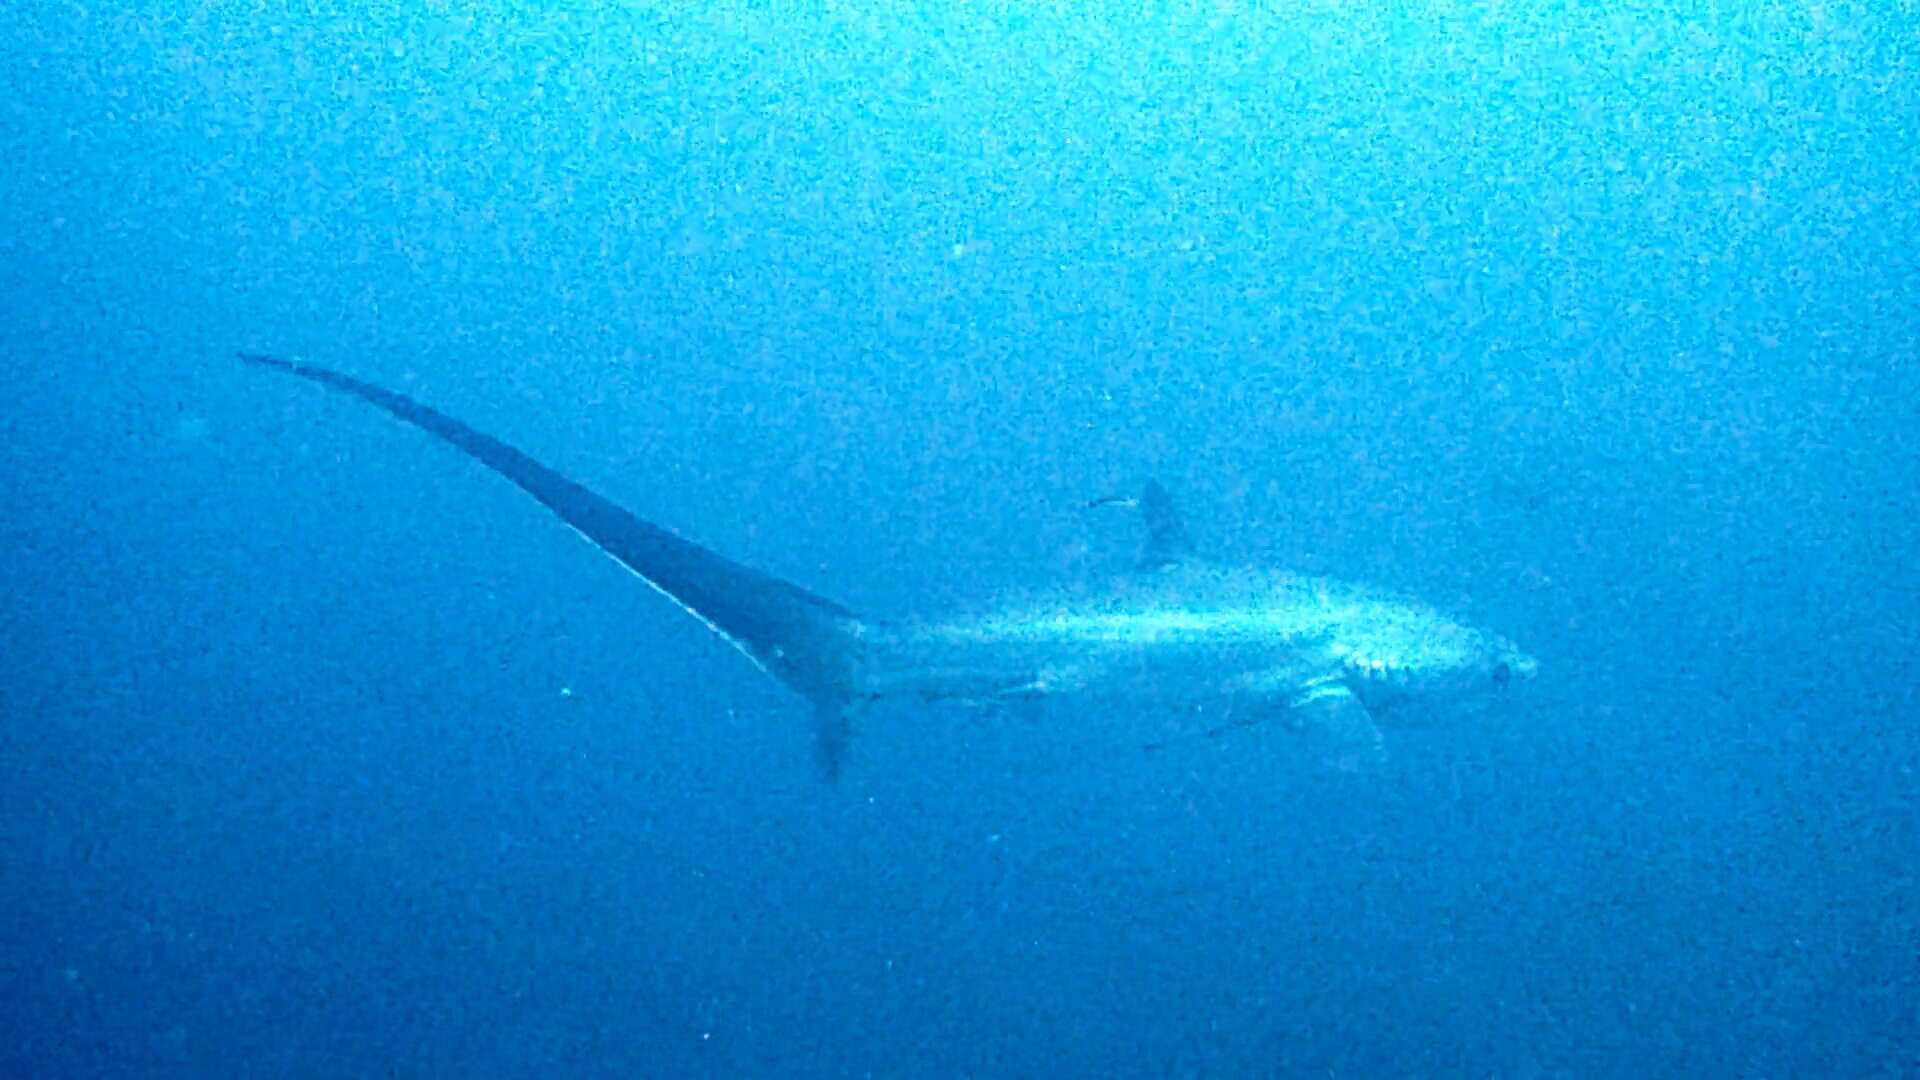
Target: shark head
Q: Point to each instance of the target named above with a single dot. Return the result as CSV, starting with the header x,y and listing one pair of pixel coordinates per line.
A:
x,y
1415,653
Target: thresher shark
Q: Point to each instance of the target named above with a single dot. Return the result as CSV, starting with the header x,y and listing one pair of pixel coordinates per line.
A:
x,y
1324,656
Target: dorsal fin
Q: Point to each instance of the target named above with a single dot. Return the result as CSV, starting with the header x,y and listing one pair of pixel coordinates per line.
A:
x,y
1167,539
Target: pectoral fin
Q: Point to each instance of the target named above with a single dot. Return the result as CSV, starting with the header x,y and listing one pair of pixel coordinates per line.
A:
x,y
1329,713
1323,710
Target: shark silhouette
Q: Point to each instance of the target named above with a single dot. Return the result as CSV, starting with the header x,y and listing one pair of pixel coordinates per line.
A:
x,y
1178,632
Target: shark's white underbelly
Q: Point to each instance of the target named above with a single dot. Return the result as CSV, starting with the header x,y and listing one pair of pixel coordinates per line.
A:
x,y
1164,659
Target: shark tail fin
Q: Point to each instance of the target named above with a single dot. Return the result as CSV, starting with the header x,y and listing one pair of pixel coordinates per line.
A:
x,y
832,734
810,643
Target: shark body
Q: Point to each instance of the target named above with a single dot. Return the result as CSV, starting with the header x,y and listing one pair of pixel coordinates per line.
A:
x,y
1177,633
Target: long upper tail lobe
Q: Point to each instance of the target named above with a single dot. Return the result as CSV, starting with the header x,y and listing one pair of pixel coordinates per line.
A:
x,y
806,641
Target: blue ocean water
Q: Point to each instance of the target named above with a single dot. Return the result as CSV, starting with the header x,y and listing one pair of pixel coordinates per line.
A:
x,y
329,754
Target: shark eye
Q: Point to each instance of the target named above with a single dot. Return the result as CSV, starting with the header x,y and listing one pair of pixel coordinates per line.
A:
x,y
1502,673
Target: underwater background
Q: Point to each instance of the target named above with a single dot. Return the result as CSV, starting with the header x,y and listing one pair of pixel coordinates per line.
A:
x,y
326,753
